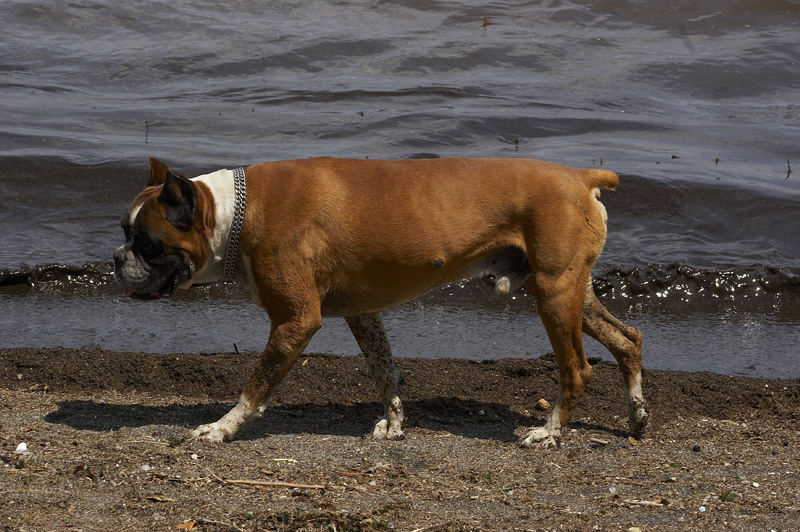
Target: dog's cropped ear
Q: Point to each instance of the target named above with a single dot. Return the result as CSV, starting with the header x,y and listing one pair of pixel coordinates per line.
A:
x,y
158,172
179,199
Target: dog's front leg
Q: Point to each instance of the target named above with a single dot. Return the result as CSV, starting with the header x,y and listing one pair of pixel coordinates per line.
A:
x,y
286,341
372,340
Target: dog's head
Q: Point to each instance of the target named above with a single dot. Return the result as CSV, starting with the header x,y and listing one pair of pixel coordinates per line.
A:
x,y
167,229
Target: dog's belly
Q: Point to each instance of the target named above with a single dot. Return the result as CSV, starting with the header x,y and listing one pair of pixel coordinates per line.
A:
x,y
364,292
505,269
364,301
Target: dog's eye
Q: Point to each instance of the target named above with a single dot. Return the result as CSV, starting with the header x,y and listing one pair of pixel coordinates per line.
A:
x,y
143,243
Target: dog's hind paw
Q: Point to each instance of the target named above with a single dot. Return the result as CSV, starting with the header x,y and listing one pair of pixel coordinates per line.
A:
x,y
638,418
210,432
383,431
540,438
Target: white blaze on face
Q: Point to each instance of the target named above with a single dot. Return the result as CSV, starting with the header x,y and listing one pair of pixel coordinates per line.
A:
x,y
131,271
134,213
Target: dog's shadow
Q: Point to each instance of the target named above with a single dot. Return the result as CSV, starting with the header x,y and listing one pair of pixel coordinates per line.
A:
x,y
468,418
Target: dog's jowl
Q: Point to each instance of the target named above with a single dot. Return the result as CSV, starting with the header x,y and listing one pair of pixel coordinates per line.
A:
x,y
351,238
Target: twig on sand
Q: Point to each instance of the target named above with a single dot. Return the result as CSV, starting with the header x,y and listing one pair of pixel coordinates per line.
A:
x,y
637,502
274,484
4,492
429,528
202,521
266,483
154,442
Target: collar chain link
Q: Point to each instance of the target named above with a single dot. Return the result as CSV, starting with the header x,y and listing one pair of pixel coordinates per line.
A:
x,y
231,257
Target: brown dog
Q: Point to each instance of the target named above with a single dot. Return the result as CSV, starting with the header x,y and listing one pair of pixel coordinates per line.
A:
x,y
351,238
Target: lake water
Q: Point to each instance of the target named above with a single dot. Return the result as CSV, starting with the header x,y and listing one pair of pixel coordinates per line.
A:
x,y
695,105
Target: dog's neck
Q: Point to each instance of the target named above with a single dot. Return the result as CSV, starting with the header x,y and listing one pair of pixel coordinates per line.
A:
x,y
223,188
239,206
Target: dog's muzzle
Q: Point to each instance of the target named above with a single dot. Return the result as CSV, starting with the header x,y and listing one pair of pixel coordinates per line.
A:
x,y
155,280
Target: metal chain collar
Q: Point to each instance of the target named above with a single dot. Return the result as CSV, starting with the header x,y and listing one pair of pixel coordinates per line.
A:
x,y
240,203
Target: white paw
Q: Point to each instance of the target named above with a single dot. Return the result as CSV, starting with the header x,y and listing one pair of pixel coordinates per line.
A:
x,y
210,432
383,431
539,438
638,419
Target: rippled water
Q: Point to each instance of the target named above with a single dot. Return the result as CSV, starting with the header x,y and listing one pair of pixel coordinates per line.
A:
x,y
696,105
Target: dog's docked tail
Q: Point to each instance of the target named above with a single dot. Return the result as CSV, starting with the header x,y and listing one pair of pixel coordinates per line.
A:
x,y
596,178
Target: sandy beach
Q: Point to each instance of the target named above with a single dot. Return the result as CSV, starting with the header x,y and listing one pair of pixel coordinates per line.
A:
x,y
107,448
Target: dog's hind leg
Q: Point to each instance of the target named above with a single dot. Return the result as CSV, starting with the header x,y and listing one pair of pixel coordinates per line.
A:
x,y
625,343
372,340
559,298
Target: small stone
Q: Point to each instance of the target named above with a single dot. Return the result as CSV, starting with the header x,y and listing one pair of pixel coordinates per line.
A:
x,y
22,448
193,456
542,405
146,467
696,449
634,529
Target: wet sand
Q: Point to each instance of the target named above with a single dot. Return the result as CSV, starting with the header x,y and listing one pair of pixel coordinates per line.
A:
x,y
107,443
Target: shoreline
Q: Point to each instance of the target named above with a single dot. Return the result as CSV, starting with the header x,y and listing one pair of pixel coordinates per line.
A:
x,y
107,438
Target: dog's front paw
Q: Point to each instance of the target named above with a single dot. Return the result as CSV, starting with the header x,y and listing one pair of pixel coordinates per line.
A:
x,y
384,431
210,432
540,438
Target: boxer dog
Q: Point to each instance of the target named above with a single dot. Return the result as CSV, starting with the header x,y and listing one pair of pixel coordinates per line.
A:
x,y
351,238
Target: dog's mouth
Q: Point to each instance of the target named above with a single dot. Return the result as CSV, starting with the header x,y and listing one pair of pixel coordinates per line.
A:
x,y
165,291
157,279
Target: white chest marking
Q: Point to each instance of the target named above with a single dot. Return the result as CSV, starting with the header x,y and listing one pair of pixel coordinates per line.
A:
x,y
221,185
